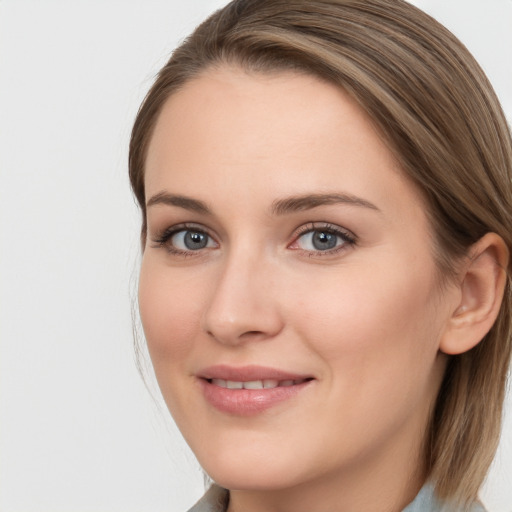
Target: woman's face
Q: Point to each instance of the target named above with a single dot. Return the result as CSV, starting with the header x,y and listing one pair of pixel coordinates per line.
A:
x,y
286,250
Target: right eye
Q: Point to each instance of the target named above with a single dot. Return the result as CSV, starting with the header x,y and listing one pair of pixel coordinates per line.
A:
x,y
185,240
188,240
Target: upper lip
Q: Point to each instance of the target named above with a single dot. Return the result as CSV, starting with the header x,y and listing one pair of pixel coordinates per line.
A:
x,y
248,373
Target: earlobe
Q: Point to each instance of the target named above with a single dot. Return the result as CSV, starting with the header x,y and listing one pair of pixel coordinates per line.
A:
x,y
482,284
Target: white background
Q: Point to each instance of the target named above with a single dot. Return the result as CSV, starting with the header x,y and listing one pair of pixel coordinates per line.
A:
x,y
79,432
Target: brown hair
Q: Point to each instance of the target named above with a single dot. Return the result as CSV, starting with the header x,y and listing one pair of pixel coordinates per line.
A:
x,y
441,118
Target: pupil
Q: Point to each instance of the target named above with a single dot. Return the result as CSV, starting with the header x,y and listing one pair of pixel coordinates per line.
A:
x,y
194,240
323,240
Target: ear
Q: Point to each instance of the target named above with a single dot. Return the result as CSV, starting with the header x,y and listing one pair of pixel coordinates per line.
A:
x,y
482,282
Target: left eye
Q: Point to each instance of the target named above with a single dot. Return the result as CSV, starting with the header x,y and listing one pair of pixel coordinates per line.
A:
x,y
191,240
321,240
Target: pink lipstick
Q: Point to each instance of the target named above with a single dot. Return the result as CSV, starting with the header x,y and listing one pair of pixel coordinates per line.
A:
x,y
249,390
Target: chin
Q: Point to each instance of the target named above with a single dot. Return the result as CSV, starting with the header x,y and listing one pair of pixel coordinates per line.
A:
x,y
236,472
251,480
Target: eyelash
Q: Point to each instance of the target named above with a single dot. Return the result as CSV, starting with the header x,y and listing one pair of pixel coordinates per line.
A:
x,y
162,240
348,239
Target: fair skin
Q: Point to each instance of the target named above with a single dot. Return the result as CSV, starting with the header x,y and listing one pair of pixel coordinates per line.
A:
x,y
339,287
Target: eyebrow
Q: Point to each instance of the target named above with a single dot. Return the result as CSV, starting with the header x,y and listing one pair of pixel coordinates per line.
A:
x,y
181,201
309,201
279,207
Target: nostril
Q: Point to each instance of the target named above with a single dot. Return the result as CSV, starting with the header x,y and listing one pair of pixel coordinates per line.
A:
x,y
243,323
251,335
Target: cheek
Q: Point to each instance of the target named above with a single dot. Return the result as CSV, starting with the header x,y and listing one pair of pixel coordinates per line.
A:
x,y
372,321
377,336
169,312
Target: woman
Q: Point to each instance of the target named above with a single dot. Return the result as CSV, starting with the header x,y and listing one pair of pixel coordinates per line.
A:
x,y
326,227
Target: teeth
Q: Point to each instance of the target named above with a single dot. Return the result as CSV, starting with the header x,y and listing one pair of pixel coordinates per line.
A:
x,y
255,384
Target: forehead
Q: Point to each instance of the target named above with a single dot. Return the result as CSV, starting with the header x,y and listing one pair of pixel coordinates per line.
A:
x,y
268,108
240,133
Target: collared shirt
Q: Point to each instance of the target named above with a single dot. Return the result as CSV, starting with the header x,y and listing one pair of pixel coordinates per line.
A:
x,y
216,499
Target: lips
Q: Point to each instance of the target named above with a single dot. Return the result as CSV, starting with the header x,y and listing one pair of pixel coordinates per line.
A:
x,y
249,390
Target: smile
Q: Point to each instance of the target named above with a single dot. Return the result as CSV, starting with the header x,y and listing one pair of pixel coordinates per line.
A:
x,y
256,384
249,390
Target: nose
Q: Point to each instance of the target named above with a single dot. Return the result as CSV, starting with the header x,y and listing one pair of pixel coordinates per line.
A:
x,y
244,305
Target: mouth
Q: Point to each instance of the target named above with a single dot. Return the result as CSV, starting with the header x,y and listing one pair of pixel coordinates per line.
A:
x,y
256,384
249,390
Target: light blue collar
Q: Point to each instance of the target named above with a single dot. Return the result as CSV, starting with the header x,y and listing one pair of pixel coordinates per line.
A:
x,y
427,501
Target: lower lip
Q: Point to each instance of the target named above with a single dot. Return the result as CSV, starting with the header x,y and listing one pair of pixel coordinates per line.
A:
x,y
248,402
